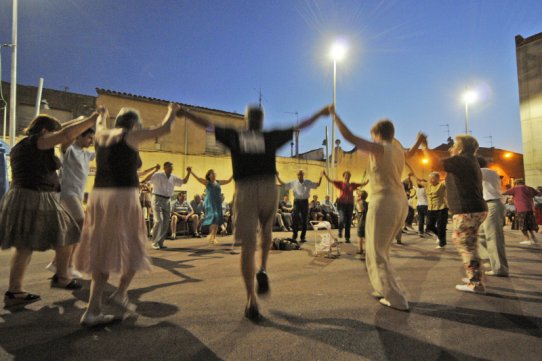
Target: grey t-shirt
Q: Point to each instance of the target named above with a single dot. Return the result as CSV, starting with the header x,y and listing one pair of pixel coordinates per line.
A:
x,y
74,171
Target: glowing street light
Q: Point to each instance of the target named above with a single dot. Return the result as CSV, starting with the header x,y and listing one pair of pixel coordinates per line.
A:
x,y
425,161
469,97
507,155
337,52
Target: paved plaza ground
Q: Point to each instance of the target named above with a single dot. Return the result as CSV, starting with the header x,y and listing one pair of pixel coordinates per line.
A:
x,y
191,308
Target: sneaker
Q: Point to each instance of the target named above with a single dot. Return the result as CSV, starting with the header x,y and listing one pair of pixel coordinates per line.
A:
x,y
491,273
302,240
163,247
12,299
440,247
471,287
155,246
263,282
347,240
527,243
90,320
465,280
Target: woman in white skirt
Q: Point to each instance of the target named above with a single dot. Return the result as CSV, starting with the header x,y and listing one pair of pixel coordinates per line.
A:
x,y
31,217
114,233
387,206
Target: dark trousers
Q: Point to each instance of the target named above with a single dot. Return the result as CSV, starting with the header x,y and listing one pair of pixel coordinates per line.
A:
x,y
300,216
345,218
422,213
409,217
436,223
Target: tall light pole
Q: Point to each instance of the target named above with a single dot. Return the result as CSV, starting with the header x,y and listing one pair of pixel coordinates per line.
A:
x,y
469,97
338,52
13,87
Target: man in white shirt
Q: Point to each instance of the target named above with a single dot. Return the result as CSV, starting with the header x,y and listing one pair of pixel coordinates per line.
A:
x,y
163,185
301,189
73,177
491,235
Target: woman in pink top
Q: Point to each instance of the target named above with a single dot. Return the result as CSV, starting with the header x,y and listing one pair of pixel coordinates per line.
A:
x,y
523,201
345,202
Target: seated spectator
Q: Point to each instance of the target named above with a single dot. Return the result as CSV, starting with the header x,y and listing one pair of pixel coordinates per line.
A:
x,y
280,222
315,209
226,227
285,209
510,212
330,212
198,208
182,211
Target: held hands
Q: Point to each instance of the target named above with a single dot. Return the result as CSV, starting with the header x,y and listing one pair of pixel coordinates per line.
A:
x,y
174,107
188,170
157,166
327,110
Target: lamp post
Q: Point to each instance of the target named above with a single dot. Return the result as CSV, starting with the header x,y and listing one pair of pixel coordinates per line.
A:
x,y
469,97
338,52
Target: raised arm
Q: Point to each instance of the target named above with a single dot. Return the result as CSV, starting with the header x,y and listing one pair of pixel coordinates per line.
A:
x,y
68,133
201,180
188,172
327,177
199,120
320,179
279,180
226,181
435,161
135,137
360,143
146,172
420,139
309,121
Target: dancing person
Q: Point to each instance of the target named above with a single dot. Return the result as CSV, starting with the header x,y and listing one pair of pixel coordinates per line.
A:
x,y
362,220
491,234
212,203
345,202
300,214
437,208
73,177
114,233
255,200
387,208
183,212
31,216
163,185
421,208
464,196
523,201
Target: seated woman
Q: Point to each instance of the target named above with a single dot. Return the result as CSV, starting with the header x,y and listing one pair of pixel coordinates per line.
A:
x,y
315,209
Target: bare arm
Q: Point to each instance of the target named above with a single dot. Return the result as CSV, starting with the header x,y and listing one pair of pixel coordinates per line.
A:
x,y
327,177
279,180
201,180
201,121
435,161
224,182
420,139
360,143
309,121
69,133
135,137
188,172
320,179
151,170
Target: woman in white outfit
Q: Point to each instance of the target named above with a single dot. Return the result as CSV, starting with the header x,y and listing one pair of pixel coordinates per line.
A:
x,y
387,206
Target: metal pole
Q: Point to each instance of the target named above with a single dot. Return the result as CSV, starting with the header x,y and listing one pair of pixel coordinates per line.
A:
x,y
186,143
13,87
38,98
327,158
5,123
466,117
332,166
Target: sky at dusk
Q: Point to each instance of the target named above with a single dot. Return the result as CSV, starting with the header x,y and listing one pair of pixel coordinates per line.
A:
x,y
408,60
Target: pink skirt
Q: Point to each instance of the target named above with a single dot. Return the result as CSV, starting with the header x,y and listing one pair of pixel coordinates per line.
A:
x,y
114,234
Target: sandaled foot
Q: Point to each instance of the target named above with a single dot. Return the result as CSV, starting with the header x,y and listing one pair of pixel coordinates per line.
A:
x,y
57,282
122,302
90,320
12,299
263,283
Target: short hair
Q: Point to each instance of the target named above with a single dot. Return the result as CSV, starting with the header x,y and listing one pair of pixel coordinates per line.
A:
x,y
466,144
300,172
384,128
128,118
434,174
208,174
167,164
87,132
482,162
519,181
42,121
254,115
363,195
347,171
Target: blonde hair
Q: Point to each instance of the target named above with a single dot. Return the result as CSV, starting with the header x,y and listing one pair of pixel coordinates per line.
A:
x,y
466,144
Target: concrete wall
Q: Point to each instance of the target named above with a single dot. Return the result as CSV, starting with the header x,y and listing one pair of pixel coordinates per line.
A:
x,y
529,65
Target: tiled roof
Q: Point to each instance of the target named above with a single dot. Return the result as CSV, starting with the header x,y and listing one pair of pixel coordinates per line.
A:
x,y
151,99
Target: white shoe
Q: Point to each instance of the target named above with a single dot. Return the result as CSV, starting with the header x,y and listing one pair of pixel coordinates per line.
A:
x,y
90,320
440,247
527,243
471,288
387,303
122,302
465,280
51,267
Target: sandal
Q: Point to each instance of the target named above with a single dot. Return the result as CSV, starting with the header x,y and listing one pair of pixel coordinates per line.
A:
x,y
15,298
72,285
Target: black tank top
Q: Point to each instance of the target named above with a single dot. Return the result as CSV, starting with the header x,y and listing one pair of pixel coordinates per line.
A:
x,y
117,166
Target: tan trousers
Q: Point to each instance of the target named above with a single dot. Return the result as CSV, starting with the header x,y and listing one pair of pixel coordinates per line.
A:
x,y
254,203
491,238
385,218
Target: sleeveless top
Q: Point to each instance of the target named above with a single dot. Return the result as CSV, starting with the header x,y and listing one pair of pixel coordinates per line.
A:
x,y
32,168
385,171
117,165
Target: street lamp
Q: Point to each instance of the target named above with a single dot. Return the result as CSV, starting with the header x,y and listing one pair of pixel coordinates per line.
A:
x,y
337,52
469,97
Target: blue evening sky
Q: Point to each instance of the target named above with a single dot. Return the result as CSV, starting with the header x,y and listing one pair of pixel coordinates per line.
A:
x,y
408,60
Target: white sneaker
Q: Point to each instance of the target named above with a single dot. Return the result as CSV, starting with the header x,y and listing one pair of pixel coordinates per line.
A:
x,y
90,320
51,267
440,247
465,280
527,243
471,288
